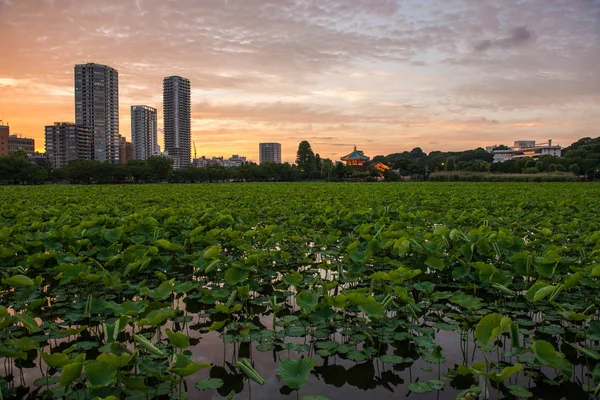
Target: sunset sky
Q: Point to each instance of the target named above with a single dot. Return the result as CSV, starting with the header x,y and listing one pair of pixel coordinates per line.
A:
x,y
386,75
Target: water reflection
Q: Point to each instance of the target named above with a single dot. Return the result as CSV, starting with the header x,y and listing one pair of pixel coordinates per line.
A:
x,y
336,376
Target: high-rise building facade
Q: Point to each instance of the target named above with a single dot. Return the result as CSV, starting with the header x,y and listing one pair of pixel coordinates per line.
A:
x,y
4,134
177,120
143,131
17,143
126,150
269,152
129,151
97,108
66,141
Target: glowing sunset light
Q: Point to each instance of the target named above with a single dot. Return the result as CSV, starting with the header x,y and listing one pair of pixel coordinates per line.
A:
x,y
384,75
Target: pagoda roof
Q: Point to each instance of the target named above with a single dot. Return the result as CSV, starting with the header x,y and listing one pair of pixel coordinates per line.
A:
x,y
356,155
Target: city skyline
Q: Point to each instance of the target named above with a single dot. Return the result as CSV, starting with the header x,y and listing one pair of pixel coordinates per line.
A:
x,y
387,76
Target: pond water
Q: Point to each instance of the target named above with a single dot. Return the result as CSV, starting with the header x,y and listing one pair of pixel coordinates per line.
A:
x,y
335,376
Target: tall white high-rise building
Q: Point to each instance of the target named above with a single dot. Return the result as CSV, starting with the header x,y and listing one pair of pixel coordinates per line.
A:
x,y
177,120
97,108
269,152
143,131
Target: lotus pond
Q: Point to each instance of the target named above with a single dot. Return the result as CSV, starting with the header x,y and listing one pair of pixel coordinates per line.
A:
x,y
300,291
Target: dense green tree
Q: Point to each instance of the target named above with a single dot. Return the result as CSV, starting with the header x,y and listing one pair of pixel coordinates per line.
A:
x,y
16,169
160,167
305,160
390,176
481,166
327,169
450,164
319,165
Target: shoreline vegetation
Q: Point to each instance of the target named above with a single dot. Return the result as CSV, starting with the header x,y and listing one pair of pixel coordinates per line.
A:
x,y
579,162
466,176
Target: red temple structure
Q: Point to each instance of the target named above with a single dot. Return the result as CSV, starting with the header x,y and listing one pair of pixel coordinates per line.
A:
x,y
356,159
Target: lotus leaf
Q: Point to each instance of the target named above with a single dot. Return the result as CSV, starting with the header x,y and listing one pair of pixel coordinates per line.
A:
x,y
295,372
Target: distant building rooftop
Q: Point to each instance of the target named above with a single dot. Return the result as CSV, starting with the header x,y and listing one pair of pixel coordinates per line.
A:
x,y
356,155
523,149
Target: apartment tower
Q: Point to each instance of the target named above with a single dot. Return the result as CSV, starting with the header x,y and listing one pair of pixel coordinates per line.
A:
x,y
143,131
66,141
177,120
97,108
4,134
18,143
269,152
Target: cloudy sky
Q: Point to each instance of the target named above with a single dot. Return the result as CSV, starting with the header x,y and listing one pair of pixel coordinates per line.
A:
x,y
386,75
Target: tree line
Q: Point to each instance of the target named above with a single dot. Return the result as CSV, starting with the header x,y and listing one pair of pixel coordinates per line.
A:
x,y
16,169
582,158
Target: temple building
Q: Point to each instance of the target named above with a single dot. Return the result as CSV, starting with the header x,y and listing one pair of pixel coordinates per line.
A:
x,y
356,159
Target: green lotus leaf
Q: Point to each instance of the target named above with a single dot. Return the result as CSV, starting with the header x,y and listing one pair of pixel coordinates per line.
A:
x,y
115,361
307,300
208,383
469,394
356,355
72,371
135,383
292,279
506,373
215,326
183,366
426,286
163,244
18,281
157,317
233,276
23,344
594,330
113,235
390,358
185,287
328,344
128,308
46,380
420,387
211,252
99,374
148,346
436,384
295,331
489,327
295,372
545,354
163,291
435,356
466,301
519,391
372,308
55,360
178,339
543,292
435,263
244,292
